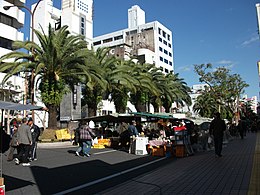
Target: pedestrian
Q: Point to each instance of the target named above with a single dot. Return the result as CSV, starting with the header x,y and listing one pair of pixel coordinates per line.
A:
x,y
78,140
86,136
24,138
35,131
217,128
132,129
13,144
133,133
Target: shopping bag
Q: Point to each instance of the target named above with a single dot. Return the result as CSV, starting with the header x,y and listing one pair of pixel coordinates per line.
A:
x,y
94,141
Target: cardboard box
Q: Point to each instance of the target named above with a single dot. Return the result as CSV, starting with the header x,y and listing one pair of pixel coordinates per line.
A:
x,y
158,151
1,181
180,151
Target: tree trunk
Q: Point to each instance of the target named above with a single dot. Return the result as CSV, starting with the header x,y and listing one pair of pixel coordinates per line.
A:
x,y
92,111
167,110
140,107
156,107
52,123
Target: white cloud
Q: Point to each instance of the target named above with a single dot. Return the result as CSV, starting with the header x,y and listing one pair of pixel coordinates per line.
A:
x,y
224,62
253,39
227,63
185,68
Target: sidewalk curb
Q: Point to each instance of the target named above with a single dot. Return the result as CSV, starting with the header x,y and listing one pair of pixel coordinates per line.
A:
x,y
65,144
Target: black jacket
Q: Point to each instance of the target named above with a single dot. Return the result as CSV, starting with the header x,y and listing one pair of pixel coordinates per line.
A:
x,y
35,130
217,127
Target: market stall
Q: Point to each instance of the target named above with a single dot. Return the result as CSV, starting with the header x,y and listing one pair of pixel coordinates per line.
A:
x,y
3,138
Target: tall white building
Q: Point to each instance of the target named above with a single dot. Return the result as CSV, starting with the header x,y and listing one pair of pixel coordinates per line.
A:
x,y
136,16
76,14
45,14
11,22
149,42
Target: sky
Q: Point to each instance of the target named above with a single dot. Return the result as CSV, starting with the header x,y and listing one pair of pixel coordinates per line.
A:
x,y
220,32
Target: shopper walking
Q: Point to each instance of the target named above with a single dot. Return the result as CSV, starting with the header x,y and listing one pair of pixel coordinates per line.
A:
x,y
24,138
35,131
86,136
217,128
13,144
78,140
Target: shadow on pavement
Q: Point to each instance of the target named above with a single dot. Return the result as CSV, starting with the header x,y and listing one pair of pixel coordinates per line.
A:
x,y
14,183
54,180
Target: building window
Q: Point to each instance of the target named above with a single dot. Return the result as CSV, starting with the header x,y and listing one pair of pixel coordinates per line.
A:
x,y
165,42
166,52
148,29
161,58
6,43
6,20
170,54
160,39
118,37
132,32
170,46
165,61
97,43
159,31
170,63
164,34
160,49
83,6
108,40
82,26
169,37
166,70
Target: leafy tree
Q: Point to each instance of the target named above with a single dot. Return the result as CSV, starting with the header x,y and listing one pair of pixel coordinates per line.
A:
x,y
223,87
178,92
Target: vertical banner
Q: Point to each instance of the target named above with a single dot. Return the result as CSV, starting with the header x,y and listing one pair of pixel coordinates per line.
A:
x,y
258,16
258,68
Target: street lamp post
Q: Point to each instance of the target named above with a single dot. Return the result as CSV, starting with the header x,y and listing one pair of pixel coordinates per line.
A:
x,y
32,12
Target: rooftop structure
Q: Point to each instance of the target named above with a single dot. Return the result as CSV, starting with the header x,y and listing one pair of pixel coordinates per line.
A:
x,y
149,42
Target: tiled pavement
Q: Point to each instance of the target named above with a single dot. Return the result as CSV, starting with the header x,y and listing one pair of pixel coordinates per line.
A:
x,y
237,172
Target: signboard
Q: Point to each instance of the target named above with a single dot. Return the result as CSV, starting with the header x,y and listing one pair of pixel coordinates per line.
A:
x,y
65,118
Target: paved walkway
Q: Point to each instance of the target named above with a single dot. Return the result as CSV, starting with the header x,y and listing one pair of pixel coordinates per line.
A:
x,y
237,172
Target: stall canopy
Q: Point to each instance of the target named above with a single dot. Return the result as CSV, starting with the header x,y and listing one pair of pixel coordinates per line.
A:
x,y
112,118
150,115
15,106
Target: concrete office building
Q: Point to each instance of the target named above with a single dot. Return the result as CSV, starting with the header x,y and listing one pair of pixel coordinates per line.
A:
x,y
149,42
76,14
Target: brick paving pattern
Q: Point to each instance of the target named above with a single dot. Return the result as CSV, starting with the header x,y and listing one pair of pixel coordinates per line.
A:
x,y
202,173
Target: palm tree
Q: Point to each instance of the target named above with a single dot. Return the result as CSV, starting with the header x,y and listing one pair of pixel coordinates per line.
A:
x,y
144,86
116,74
59,60
176,90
